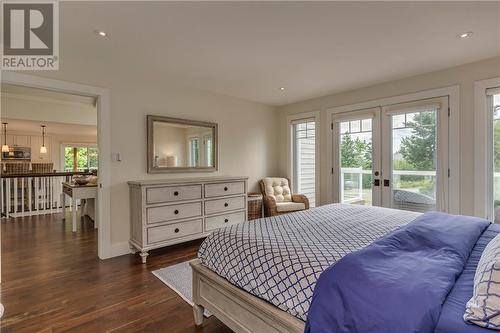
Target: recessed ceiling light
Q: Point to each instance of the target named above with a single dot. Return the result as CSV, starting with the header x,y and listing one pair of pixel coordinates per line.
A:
x,y
465,34
282,88
101,33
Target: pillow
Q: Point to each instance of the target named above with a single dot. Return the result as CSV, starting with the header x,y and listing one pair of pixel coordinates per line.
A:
x,y
483,308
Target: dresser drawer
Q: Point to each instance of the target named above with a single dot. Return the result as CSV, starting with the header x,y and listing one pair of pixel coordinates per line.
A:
x,y
224,205
174,230
172,193
215,222
173,212
223,189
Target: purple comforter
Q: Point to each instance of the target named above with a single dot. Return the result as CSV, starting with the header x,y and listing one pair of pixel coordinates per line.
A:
x,y
398,283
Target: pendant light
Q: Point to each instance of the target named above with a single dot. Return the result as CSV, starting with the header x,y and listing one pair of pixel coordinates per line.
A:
x,y
43,149
5,146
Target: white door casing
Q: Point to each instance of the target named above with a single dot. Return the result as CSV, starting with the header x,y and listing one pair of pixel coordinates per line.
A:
x,y
103,215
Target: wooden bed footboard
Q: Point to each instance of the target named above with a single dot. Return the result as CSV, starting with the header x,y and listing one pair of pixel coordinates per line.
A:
x,y
238,309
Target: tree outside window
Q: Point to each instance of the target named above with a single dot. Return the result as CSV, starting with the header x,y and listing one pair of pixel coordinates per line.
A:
x,y
80,158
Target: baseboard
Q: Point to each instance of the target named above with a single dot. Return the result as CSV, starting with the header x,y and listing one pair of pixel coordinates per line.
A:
x,y
120,249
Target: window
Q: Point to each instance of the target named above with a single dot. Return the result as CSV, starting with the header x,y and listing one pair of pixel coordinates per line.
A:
x,y
194,152
494,107
486,195
80,158
304,158
200,150
414,160
209,150
356,150
393,156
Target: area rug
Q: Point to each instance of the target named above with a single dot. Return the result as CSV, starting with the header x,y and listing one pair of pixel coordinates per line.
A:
x,y
179,278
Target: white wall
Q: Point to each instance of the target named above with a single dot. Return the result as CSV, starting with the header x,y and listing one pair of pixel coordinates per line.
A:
x,y
43,109
463,75
252,139
248,132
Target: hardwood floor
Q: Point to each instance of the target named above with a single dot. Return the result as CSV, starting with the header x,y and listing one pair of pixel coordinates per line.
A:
x,y
52,281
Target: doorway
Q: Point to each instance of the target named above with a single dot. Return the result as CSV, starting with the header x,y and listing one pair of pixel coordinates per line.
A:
x,y
102,98
393,156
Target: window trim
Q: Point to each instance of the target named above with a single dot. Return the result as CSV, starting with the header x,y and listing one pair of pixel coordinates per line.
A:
x,y
190,139
483,150
291,120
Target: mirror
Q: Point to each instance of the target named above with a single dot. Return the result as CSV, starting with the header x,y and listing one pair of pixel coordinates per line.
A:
x,y
180,145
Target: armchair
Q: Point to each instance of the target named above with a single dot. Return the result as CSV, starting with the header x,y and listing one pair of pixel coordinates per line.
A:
x,y
278,199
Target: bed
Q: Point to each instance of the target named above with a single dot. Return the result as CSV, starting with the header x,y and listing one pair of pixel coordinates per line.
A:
x,y
451,318
259,276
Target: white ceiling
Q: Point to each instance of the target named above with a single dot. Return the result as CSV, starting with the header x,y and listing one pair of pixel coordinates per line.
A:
x,y
28,126
33,106
251,49
47,94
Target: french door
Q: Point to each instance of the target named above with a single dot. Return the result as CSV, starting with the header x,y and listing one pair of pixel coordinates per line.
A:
x,y
393,156
356,137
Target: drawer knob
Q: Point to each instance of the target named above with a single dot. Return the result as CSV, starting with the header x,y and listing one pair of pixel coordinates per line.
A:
x,y
176,193
226,204
176,230
176,211
226,220
225,188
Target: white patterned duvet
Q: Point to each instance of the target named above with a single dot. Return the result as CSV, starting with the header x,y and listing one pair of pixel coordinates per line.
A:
x,y
279,259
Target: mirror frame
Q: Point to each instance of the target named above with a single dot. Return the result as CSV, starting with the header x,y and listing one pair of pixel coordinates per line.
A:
x,y
150,134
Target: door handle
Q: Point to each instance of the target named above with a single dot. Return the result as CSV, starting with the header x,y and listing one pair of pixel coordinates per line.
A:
x,y
387,182
376,182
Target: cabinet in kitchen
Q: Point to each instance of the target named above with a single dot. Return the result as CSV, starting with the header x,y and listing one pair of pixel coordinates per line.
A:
x,y
15,140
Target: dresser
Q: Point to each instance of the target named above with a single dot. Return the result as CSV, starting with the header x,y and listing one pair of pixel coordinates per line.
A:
x,y
167,212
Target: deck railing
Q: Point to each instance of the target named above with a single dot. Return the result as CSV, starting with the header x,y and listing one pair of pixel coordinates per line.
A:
x,y
356,194
32,194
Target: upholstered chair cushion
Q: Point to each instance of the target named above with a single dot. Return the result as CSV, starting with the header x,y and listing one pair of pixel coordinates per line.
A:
x,y
278,189
282,207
